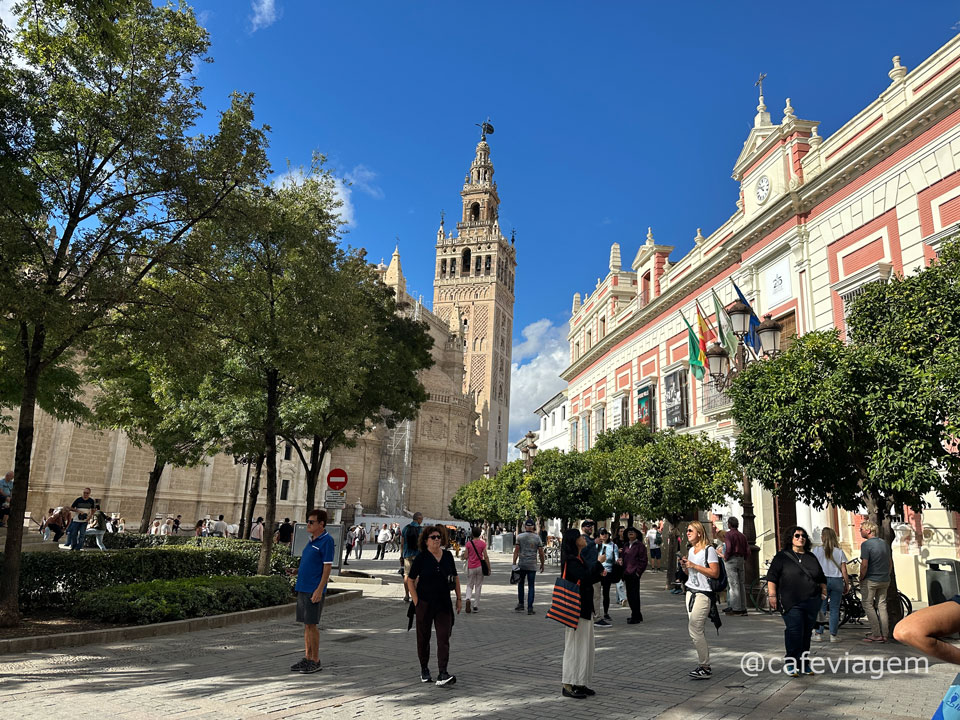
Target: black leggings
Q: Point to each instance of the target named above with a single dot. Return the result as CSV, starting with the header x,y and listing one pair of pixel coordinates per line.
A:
x,y
605,582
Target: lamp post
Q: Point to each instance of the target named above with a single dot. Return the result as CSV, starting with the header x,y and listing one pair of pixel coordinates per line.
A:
x,y
723,370
245,460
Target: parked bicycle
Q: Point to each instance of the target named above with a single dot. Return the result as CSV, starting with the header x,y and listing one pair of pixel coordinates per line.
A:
x,y
758,594
851,608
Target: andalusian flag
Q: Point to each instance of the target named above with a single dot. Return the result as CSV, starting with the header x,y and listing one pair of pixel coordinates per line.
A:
x,y
725,326
696,351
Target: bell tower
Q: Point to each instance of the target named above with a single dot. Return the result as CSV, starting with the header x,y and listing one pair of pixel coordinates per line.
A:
x,y
473,288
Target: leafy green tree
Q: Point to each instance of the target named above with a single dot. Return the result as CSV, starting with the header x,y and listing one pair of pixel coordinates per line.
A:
x,y
848,425
561,486
611,495
104,181
636,435
675,476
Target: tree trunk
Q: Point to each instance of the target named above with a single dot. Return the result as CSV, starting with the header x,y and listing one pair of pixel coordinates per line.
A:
x,y
270,438
10,577
153,481
252,503
317,453
244,532
564,525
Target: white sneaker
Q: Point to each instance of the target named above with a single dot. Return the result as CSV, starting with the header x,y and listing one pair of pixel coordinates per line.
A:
x,y
818,637
834,638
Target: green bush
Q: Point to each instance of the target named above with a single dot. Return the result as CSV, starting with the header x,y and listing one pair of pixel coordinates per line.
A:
x,y
164,600
52,579
116,541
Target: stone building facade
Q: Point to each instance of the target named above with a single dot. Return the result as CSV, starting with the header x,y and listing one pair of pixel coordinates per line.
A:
x,y
816,219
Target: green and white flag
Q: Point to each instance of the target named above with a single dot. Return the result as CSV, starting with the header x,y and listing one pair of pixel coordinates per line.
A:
x,y
724,326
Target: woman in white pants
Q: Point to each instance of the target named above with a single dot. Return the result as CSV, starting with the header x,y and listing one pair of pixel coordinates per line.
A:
x,y
701,564
579,648
475,549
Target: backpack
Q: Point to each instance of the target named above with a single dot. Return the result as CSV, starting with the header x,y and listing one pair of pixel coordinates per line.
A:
x,y
659,540
411,537
719,583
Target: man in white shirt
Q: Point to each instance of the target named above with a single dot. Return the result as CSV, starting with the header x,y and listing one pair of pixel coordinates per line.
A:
x,y
382,539
219,528
654,541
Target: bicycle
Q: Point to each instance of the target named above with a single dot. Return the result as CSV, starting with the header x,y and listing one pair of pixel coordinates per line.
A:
x,y
758,595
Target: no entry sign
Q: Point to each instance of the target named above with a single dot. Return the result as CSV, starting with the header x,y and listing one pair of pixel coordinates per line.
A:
x,y
337,479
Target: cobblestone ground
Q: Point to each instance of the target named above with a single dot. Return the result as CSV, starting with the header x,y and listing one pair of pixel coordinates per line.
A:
x,y
507,666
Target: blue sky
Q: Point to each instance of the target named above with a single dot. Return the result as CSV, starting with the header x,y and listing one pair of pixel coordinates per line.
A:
x,y
610,117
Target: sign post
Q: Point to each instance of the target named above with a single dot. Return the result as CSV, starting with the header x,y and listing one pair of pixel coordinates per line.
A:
x,y
336,497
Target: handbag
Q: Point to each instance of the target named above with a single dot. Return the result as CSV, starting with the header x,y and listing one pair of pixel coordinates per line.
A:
x,y
515,575
484,566
565,605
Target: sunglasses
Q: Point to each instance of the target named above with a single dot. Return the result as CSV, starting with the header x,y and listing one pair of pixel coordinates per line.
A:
x,y
800,535
433,537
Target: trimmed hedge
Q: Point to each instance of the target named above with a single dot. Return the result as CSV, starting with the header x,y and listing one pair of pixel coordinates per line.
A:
x,y
119,541
54,579
165,600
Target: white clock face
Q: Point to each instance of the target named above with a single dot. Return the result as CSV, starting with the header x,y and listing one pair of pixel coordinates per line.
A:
x,y
763,188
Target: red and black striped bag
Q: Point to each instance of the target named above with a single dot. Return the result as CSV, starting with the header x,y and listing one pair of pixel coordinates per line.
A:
x,y
565,606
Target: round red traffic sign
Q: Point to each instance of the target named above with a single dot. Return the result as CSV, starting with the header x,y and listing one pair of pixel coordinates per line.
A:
x,y
337,479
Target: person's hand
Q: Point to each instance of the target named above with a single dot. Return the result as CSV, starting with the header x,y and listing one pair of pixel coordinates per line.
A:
x,y
603,574
602,557
619,561
317,595
291,571
458,606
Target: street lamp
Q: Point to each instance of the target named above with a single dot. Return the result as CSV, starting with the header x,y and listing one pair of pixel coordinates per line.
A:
x,y
723,370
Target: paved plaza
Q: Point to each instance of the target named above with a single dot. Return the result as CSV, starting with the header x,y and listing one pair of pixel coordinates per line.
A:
x,y
507,666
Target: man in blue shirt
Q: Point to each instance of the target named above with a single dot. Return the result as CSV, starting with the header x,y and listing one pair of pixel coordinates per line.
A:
x,y
312,578
6,495
410,546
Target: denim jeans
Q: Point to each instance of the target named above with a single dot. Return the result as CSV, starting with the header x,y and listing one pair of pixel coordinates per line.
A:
x,y
799,621
529,576
76,534
98,535
736,597
834,599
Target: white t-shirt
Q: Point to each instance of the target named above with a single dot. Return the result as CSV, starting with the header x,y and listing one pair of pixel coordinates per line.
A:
x,y
696,580
829,569
165,530
652,539
384,536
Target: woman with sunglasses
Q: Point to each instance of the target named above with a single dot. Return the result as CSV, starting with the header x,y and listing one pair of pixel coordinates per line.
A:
x,y
429,581
797,586
701,565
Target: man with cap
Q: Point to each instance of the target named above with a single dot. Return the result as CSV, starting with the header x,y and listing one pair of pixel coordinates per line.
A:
x,y
591,556
525,552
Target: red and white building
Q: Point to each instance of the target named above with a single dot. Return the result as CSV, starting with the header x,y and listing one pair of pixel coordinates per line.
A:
x,y
817,219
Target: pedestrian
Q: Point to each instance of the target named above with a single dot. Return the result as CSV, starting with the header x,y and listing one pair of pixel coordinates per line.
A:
x,y
579,646
590,556
155,528
620,538
655,540
121,524
97,526
701,564
608,549
736,552
411,546
797,586
432,575
382,539
476,550
526,552
81,509
219,528
256,532
167,528
44,530
176,524
875,561
6,496
350,541
634,561
833,562
313,574
361,539
198,530
58,524
284,534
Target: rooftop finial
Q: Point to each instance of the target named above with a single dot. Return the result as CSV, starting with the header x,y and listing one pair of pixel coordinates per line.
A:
x,y
513,236
763,117
485,128
649,236
699,238
443,215
788,112
899,72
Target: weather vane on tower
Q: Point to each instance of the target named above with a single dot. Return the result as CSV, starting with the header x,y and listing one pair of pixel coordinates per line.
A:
x,y
485,128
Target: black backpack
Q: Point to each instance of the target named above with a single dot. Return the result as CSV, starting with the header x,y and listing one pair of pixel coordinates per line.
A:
x,y
719,583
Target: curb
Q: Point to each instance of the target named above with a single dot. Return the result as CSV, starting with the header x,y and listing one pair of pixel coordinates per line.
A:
x,y
174,627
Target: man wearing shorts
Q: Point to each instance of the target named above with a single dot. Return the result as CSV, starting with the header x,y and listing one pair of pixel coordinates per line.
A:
x,y
410,546
655,541
312,577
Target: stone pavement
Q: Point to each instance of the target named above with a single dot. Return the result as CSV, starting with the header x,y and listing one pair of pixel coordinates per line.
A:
x,y
507,666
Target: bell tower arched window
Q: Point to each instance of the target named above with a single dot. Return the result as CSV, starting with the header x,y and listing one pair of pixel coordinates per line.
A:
x,y
465,262
475,212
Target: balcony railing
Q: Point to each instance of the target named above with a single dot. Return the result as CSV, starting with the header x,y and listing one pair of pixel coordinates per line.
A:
x,y
713,401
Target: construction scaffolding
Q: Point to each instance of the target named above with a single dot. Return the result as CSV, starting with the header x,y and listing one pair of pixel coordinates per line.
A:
x,y
396,455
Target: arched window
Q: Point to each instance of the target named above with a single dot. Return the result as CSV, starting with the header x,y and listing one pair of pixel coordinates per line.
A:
x,y
486,267
443,268
478,264
453,267
465,262
475,212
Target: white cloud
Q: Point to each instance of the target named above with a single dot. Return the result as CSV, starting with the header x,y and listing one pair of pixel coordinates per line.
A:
x,y
264,14
532,383
362,177
341,189
6,14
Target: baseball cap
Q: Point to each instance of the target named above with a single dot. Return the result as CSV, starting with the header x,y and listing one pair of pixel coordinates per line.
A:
x,y
587,523
529,523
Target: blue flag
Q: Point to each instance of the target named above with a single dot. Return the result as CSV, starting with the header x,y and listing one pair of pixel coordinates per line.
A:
x,y
752,339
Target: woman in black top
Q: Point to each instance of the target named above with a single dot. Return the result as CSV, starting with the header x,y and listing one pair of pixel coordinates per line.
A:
x,y
428,582
796,585
579,647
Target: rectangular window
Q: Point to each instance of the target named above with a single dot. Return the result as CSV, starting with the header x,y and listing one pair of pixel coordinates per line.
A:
x,y
486,266
603,328
573,434
589,339
553,419
284,489
625,410
600,419
443,268
563,413
288,452
586,432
